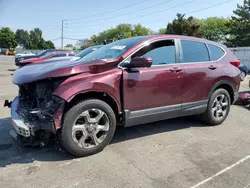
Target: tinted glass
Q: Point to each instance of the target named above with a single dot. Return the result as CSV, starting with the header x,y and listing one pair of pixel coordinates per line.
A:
x,y
162,55
45,52
216,52
87,51
41,53
59,55
194,51
46,55
113,50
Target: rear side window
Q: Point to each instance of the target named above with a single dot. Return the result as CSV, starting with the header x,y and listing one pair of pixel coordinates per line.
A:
x,y
216,52
194,51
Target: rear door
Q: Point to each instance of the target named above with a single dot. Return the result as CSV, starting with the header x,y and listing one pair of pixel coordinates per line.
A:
x,y
200,73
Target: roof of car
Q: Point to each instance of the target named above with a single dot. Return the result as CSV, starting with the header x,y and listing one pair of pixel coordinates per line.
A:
x,y
184,37
68,51
62,52
149,38
174,36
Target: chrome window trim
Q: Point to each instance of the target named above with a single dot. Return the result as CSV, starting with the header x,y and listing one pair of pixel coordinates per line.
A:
x,y
225,52
177,45
206,44
146,44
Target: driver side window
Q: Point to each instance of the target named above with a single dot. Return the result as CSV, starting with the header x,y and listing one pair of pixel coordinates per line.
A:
x,y
161,52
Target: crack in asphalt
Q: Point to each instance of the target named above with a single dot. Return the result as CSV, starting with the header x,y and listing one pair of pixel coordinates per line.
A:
x,y
147,175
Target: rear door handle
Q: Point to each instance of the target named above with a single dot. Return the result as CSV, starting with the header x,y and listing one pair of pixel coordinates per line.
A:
x,y
176,69
212,67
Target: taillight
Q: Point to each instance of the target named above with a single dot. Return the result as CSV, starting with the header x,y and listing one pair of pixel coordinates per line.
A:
x,y
235,63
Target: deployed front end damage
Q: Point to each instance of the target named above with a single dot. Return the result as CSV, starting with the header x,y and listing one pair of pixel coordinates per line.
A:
x,y
44,90
36,113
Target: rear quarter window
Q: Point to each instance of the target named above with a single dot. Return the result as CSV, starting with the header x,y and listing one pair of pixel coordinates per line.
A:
x,y
194,51
216,52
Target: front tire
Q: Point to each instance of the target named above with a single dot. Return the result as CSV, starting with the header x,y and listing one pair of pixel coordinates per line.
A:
x,y
218,107
88,127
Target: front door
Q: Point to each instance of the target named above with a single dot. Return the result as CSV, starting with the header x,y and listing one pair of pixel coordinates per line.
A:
x,y
152,94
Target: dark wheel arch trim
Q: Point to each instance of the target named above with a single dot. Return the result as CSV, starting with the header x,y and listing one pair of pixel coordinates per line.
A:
x,y
220,83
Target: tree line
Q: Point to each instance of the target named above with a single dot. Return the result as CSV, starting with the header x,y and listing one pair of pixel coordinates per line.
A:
x,y
28,39
233,31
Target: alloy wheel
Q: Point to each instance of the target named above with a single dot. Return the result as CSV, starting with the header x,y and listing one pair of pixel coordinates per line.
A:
x,y
220,106
90,128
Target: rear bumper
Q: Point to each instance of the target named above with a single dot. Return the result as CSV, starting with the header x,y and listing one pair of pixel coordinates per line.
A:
x,y
20,127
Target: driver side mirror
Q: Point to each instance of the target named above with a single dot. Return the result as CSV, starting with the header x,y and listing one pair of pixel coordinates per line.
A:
x,y
139,62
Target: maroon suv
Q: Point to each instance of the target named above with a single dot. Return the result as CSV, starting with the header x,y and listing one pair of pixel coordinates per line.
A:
x,y
127,82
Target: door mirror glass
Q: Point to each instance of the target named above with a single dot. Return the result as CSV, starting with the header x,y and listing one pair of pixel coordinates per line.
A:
x,y
138,62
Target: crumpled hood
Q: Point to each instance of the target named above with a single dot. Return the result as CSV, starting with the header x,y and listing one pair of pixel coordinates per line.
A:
x,y
40,71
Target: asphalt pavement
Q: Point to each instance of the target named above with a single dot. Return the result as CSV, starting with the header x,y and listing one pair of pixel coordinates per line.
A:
x,y
177,153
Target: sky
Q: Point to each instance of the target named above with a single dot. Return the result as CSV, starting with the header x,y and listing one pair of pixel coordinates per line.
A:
x,y
83,18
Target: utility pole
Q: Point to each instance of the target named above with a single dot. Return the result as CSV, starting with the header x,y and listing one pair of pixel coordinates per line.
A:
x,y
62,34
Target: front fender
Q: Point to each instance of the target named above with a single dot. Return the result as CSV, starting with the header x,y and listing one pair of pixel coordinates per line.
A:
x,y
108,82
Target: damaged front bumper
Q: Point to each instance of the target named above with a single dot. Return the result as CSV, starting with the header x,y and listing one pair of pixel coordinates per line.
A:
x,y
29,128
20,127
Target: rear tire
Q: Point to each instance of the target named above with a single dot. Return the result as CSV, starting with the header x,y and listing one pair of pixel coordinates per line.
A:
x,y
83,115
218,107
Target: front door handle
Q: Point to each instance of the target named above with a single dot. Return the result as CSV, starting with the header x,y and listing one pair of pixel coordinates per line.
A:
x,y
176,69
212,67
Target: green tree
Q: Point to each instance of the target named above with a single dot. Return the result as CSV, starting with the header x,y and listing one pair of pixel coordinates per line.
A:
x,y
82,44
49,45
215,29
240,26
22,37
183,26
162,31
139,30
36,40
121,31
69,46
41,44
45,44
7,38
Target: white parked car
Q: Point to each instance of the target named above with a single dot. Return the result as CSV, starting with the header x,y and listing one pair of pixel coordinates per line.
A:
x,y
24,54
